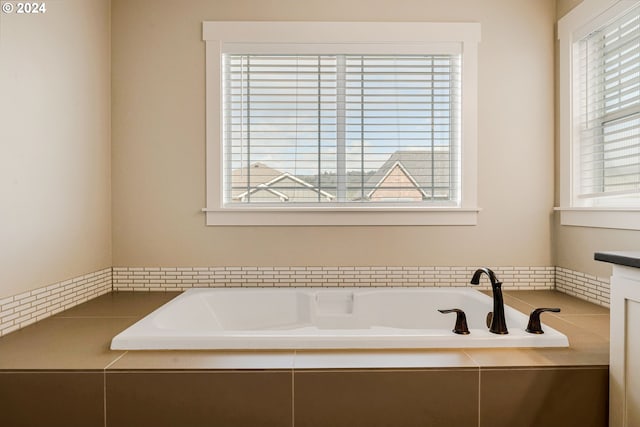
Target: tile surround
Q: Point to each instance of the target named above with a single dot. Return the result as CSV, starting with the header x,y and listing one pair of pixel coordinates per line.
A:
x,y
43,367
21,310
182,278
584,286
377,398
199,398
525,397
69,399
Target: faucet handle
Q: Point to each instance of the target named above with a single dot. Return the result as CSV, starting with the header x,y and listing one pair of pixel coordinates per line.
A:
x,y
461,327
534,326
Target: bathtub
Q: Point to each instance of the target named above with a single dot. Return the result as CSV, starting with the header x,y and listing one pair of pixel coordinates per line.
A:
x,y
326,318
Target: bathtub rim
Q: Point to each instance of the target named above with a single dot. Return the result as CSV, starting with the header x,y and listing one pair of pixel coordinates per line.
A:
x,y
158,339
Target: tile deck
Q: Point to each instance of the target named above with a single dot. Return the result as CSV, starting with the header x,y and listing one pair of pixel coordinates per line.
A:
x,y
79,338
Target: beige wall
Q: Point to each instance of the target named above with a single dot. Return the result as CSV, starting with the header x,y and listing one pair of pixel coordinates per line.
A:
x,y
158,140
54,144
564,6
574,247
55,159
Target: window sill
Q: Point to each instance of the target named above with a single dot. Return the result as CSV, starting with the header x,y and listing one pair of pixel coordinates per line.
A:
x,y
319,217
618,218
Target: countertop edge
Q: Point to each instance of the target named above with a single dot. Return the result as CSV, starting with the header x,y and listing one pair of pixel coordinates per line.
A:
x,y
627,259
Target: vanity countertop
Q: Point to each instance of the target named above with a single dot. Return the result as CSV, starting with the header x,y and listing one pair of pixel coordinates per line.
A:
x,y
627,258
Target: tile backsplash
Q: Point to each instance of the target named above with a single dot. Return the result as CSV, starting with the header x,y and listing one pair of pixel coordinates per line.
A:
x,y
584,286
181,278
21,310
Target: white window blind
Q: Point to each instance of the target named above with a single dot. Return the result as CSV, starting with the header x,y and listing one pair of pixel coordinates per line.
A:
x,y
609,111
339,129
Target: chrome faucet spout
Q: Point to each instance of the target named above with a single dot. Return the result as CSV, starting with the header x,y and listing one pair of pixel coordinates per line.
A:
x,y
498,322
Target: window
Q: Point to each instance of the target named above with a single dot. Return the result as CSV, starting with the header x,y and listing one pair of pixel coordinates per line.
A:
x,y
336,129
600,115
608,78
306,128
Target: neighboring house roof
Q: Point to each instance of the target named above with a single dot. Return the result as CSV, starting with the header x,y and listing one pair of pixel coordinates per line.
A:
x,y
397,166
424,170
258,173
282,185
406,174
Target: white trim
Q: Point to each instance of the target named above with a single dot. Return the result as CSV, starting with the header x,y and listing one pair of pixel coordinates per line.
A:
x,y
341,48
584,18
214,157
590,15
340,32
344,216
623,219
415,37
624,291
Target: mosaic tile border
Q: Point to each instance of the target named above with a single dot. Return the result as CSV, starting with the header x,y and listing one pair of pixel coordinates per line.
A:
x,y
182,278
584,286
23,309
581,285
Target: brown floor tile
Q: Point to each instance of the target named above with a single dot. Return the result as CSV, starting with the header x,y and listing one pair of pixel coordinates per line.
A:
x,y
544,397
511,357
198,398
596,356
568,304
62,343
386,398
177,360
359,359
594,323
529,357
121,304
585,349
518,304
51,399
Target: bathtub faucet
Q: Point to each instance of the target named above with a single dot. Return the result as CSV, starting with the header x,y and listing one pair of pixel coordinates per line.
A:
x,y
495,320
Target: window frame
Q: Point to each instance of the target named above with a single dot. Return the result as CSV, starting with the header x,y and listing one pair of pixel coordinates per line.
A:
x,y
585,18
381,37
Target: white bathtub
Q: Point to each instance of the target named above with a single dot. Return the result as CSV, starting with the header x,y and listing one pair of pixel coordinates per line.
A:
x,y
314,318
